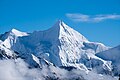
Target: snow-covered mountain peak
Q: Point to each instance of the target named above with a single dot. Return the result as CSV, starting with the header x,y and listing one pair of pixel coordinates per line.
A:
x,y
63,30
61,46
17,33
58,31
57,24
58,42
10,37
14,30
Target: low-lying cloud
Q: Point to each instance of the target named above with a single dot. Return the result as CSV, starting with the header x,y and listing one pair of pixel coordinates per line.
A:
x,y
91,18
18,70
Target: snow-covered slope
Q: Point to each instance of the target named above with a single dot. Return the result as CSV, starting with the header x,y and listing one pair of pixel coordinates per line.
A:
x,y
6,53
62,46
9,38
113,55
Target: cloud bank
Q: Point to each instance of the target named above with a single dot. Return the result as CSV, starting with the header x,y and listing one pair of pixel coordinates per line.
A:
x,y
91,18
18,70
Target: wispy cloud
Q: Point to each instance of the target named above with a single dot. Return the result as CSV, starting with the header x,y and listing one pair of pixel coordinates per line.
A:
x,y
91,18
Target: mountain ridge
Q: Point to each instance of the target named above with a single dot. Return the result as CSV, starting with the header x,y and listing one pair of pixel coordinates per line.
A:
x,y
61,46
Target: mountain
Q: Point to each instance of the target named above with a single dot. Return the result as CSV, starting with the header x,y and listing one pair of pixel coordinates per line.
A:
x,y
113,55
6,53
60,46
9,38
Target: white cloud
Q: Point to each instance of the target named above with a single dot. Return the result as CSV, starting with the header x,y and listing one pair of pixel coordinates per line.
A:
x,y
78,17
91,18
8,71
18,70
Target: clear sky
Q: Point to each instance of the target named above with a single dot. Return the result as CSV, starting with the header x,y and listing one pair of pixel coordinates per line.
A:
x,y
97,20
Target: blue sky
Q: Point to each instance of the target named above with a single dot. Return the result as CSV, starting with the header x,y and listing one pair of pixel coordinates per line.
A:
x,y
97,20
